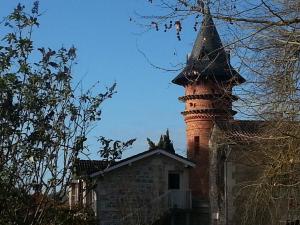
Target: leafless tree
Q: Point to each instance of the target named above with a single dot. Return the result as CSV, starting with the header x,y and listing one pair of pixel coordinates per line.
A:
x,y
264,39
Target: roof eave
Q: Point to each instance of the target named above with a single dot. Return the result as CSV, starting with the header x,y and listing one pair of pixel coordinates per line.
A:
x,y
233,76
181,159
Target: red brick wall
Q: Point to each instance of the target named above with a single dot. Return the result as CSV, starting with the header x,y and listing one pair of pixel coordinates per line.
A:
x,y
198,131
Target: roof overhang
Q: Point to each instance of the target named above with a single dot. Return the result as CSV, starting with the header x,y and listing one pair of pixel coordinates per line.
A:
x,y
130,160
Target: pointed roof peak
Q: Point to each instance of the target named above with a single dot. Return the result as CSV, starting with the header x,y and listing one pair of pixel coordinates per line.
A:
x,y
208,60
208,41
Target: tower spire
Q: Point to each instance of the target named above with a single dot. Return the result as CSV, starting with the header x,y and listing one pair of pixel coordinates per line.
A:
x,y
208,60
208,42
208,79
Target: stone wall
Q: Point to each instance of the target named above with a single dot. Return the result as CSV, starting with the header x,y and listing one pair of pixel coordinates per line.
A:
x,y
132,192
239,173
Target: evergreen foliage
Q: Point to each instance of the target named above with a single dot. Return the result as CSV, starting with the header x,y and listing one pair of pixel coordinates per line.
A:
x,y
164,143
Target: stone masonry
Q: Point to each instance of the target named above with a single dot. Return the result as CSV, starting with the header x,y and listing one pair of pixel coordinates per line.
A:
x,y
132,192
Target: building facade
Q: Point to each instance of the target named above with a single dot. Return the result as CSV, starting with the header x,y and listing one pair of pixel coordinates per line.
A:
x,y
208,79
138,190
159,187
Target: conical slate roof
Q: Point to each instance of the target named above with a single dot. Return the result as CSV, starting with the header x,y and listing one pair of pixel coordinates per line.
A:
x,y
208,60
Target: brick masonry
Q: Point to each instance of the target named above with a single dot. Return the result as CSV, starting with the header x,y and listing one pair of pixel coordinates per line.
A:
x,y
199,126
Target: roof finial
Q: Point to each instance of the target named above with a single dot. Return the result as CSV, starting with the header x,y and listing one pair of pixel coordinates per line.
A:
x,y
201,5
207,11
204,6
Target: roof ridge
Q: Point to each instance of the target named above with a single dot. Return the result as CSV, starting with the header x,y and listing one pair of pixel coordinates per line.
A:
x,y
144,155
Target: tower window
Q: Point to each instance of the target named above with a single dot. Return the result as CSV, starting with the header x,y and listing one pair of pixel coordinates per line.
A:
x,y
196,143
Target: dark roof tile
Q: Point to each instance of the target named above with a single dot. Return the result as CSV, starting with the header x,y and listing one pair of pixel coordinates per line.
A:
x,y
208,59
86,167
241,130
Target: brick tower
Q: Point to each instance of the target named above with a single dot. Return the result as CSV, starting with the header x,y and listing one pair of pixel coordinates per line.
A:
x,y
208,79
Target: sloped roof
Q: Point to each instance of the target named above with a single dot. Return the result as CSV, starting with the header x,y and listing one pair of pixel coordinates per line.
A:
x,y
208,41
241,130
208,59
141,156
88,167
246,131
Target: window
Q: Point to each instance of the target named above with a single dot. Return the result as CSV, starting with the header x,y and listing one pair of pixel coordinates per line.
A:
x,y
174,181
73,194
294,222
80,192
196,143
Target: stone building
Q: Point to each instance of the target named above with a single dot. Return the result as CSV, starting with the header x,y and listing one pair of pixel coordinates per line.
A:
x,y
159,187
138,190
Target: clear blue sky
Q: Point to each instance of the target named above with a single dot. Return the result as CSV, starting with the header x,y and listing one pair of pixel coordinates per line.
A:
x,y
146,103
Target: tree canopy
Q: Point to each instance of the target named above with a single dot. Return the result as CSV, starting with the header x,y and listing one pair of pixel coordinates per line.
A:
x,y
44,123
164,143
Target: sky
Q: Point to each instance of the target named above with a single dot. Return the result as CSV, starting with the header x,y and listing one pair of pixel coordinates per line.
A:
x,y
109,49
